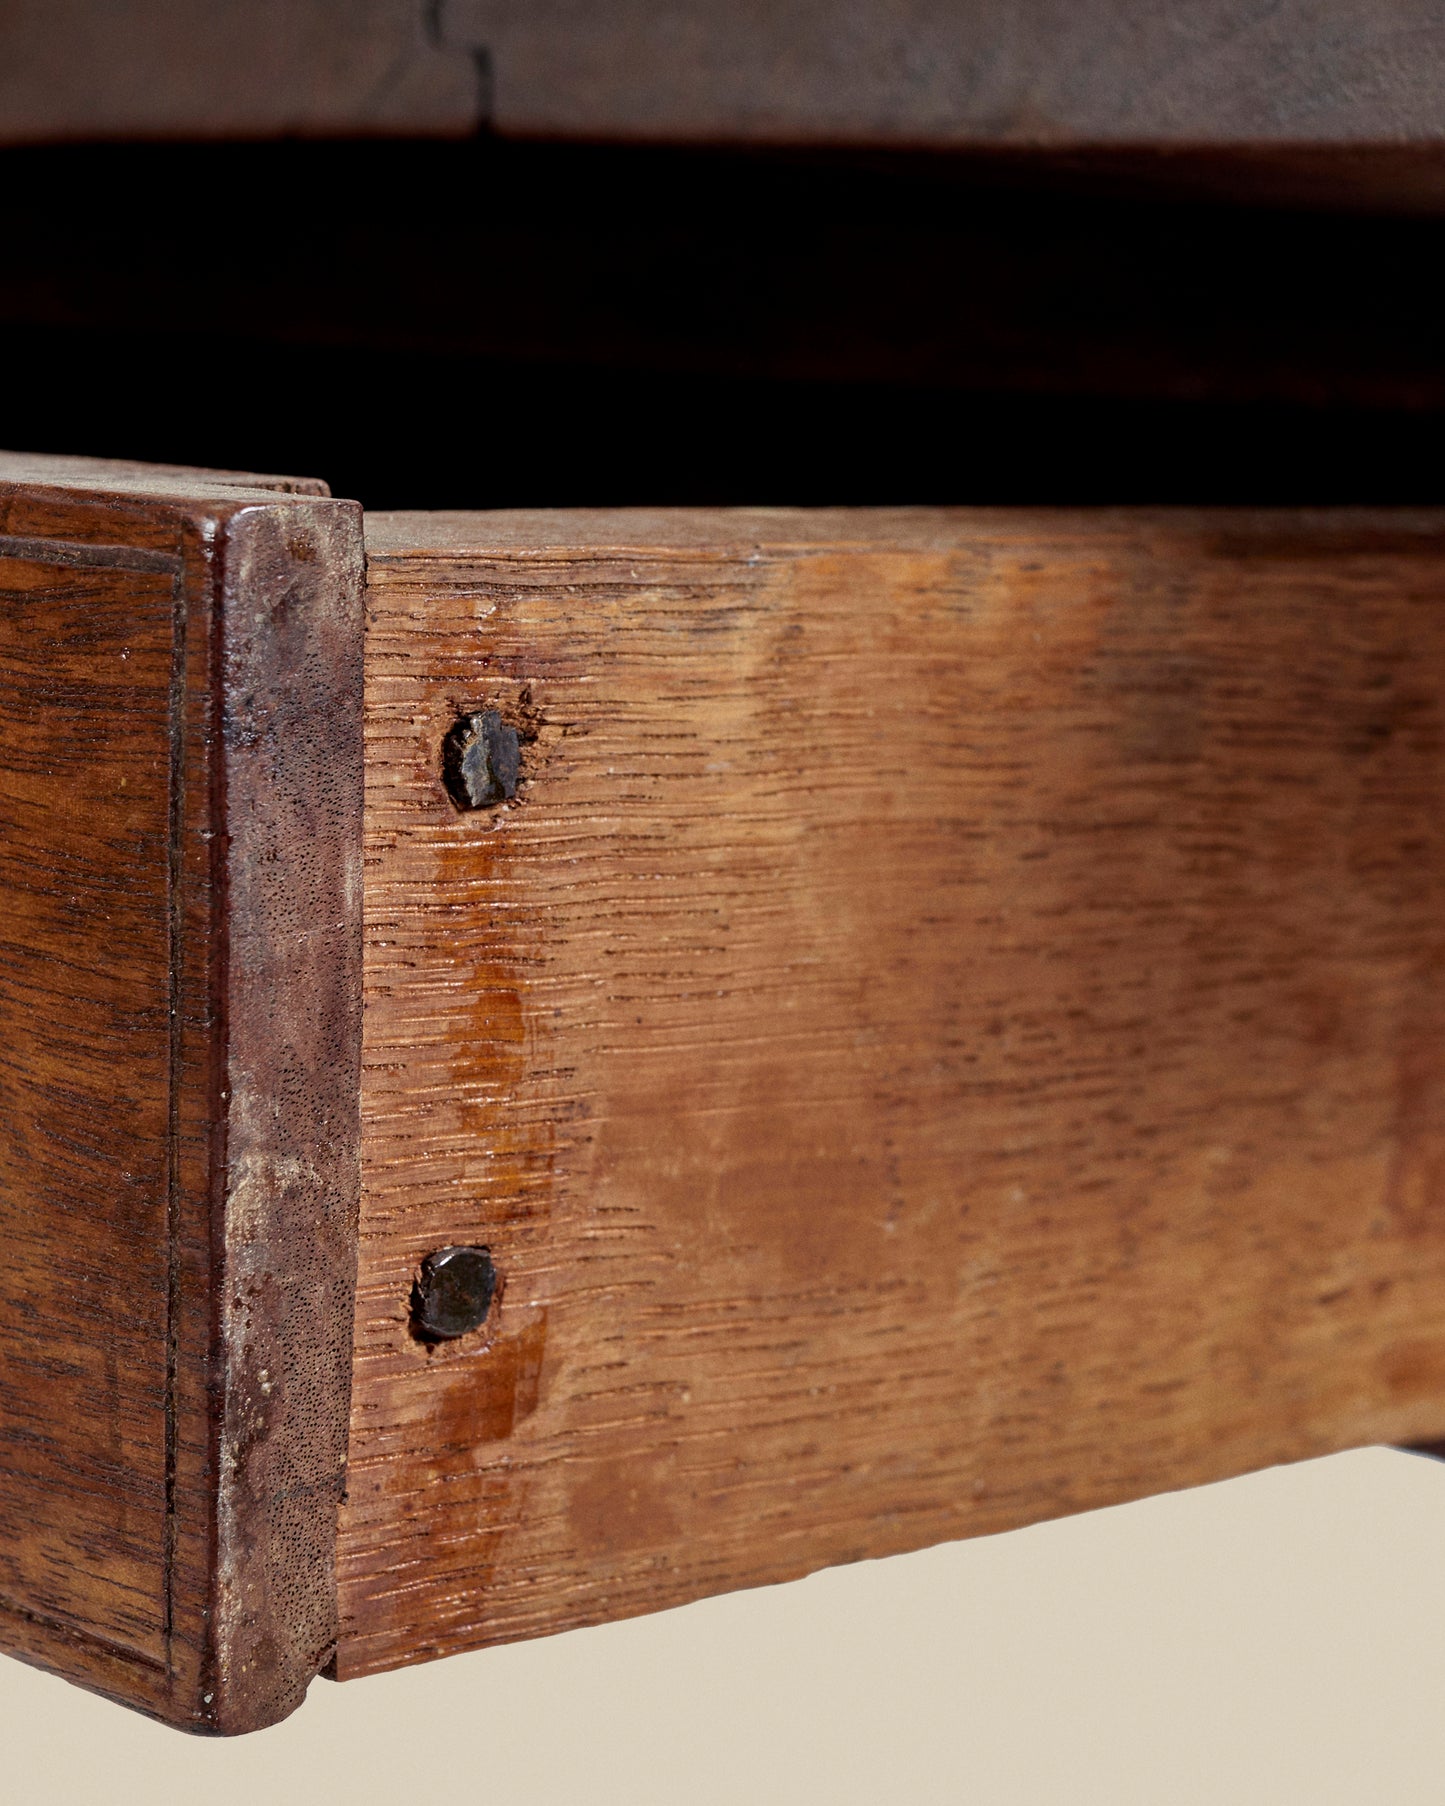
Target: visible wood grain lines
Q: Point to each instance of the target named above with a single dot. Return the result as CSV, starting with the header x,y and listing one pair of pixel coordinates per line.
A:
x,y
180,815
947,1033
85,1060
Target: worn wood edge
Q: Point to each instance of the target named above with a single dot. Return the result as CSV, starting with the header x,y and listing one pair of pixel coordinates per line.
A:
x,y
432,540
130,476
291,639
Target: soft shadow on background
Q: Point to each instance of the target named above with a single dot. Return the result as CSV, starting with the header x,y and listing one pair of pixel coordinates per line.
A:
x,y
1277,1639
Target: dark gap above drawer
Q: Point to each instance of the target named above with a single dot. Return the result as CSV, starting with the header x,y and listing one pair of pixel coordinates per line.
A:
x,y
486,323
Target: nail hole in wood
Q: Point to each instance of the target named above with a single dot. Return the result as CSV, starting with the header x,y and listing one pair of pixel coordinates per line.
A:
x,y
481,761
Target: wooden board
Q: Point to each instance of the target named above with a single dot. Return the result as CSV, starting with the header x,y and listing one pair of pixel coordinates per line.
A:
x,y
180,788
1302,78
232,68
1040,72
948,1033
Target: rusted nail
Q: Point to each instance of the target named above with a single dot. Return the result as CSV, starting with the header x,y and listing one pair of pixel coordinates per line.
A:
x,y
481,761
452,1294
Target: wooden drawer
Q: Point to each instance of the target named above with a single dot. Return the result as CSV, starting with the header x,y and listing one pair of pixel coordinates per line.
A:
x,y
932,1015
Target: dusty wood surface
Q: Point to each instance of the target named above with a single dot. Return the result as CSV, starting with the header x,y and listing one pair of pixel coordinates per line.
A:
x,y
948,1033
1039,72
179,1012
230,68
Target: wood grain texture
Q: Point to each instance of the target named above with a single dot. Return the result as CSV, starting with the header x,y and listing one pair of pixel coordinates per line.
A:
x,y
180,803
949,1033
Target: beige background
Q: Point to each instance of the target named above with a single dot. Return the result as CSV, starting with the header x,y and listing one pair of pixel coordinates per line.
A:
x,y
1278,1639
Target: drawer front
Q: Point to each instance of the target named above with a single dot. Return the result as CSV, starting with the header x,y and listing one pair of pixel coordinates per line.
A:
x,y
180,823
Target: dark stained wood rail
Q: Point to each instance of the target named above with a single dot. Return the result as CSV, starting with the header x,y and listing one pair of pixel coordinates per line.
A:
x,y
1274,87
